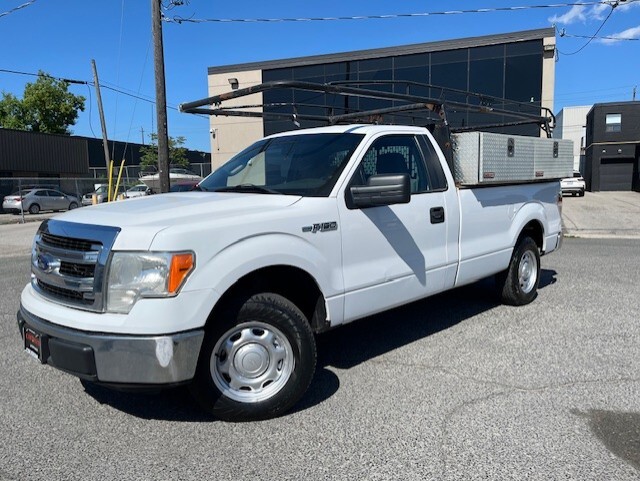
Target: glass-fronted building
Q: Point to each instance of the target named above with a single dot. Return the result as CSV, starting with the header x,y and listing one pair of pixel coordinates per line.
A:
x,y
516,66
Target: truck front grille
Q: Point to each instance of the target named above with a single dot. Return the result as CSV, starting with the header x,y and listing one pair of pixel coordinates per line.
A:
x,y
60,292
68,262
66,243
74,269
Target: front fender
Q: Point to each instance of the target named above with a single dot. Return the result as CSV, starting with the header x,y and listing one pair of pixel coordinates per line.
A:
x,y
271,249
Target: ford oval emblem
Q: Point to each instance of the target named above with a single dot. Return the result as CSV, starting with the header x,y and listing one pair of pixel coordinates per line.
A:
x,y
47,263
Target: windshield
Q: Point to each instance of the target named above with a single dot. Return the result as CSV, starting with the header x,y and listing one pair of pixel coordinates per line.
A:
x,y
306,164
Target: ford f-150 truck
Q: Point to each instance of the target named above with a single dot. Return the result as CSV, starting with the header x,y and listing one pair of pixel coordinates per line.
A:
x,y
224,289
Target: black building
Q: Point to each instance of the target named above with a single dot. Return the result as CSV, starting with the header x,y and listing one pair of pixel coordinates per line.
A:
x,y
516,66
33,154
612,154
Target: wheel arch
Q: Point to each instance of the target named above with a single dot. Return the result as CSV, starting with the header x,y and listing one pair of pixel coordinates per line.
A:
x,y
529,221
535,230
293,283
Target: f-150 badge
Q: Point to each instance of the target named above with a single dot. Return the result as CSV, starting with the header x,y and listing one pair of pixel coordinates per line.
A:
x,y
322,227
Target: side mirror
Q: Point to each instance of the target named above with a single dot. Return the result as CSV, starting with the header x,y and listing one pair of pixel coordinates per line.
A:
x,y
381,190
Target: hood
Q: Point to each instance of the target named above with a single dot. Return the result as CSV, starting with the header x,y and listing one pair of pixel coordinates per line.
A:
x,y
141,218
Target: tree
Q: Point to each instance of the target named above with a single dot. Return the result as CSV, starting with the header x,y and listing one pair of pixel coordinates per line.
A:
x,y
11,112
177,153
47,106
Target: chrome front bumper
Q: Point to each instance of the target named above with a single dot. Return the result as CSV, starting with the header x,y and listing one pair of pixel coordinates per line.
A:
x,y
117,358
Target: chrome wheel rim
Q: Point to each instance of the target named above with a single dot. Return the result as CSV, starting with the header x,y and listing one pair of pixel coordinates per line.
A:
x,y
251,362
527,272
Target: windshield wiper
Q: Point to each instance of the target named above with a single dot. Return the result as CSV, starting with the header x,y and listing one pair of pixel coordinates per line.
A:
x,y
250,188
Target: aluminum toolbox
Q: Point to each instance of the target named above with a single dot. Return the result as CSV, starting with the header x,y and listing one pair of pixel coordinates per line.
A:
x,y
486,158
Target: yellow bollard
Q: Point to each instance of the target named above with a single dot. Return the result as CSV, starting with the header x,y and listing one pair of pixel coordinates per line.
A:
x,y
94,199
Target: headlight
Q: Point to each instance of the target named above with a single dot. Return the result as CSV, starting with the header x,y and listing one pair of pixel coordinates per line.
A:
x,y
133,275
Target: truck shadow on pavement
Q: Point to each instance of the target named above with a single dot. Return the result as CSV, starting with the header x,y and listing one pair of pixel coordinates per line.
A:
x,y
360,341
342,348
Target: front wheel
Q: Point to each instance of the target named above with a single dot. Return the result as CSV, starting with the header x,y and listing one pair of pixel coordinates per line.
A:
x,y
518,285
257,362
73,205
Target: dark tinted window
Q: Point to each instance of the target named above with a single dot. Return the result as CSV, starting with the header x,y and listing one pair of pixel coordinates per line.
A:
x,y
277,74
523,78
437,179
417,60
487,76
532,47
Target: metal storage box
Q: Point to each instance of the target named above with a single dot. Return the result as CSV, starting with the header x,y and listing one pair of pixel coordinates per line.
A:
x,y
486,158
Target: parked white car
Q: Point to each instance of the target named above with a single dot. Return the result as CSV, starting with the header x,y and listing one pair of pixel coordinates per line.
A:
x,y
137,191
574,185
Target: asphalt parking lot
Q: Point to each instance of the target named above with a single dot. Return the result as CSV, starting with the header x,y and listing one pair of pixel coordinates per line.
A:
x,y
455,387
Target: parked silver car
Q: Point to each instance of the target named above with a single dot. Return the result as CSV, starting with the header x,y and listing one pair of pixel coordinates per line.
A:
x,y
35,200
101,194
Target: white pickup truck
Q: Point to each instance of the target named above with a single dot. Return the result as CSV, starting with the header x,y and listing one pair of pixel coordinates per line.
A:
x,y
224,289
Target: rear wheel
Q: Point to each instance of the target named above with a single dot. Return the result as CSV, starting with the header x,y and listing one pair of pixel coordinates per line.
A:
x,y
518,285
256,362
34,208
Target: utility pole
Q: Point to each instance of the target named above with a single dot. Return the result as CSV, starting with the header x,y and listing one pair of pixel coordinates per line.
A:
x,y
142,134
161,96
634,92
102,122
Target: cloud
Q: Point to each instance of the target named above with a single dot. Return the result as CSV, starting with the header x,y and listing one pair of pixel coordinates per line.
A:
x,y
576,14
633,32
579,13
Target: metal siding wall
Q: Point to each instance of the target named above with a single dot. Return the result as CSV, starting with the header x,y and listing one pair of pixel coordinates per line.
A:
x,y
44,153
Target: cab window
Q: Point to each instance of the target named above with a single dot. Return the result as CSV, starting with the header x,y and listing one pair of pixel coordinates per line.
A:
x,y
394,154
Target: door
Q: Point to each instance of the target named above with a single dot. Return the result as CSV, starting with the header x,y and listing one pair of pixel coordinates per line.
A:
x,y
41,197
58,200
616,174
398,253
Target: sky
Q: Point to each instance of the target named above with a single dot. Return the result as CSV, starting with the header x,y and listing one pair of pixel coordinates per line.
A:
x,y
61,37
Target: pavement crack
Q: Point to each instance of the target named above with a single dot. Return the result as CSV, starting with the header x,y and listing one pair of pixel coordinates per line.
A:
x,y
509,389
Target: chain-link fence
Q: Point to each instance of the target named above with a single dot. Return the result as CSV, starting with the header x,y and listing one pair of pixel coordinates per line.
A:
x,y
80,186
131,173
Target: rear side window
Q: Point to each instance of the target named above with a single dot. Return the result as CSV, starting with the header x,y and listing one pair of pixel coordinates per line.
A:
x,y
438,180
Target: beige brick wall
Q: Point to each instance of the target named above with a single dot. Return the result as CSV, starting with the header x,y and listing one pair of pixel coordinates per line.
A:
x,y
548,75
232,134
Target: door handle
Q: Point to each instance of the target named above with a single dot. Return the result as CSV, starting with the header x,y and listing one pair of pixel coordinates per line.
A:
x,y
437,215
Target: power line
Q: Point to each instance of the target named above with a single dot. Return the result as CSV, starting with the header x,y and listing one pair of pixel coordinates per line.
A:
x,y
92,84
568,35
19,7
178,19
613,7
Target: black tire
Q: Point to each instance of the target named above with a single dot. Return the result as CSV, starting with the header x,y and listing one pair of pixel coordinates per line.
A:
x,y
518,284
256,361
34,209
73,205
581,194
